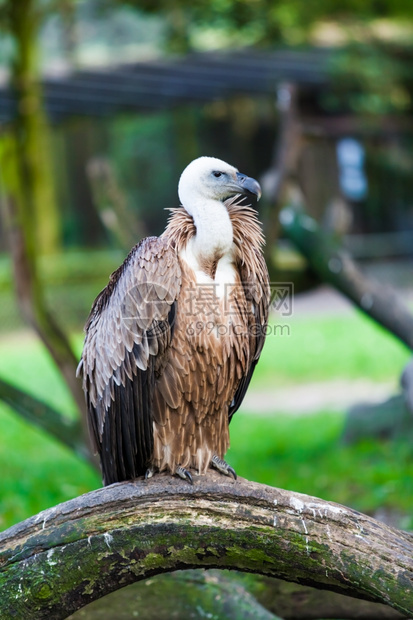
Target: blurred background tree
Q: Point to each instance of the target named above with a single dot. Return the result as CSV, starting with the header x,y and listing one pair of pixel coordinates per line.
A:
x,y
28,185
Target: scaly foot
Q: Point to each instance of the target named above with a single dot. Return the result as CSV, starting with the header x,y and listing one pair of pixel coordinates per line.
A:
x,y
149,473
223,467
184,474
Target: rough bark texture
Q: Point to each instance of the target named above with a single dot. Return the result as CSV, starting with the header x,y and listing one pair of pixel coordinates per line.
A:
x,y
72,554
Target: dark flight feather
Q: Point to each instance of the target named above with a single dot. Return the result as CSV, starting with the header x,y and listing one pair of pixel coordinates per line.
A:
x,y
128,332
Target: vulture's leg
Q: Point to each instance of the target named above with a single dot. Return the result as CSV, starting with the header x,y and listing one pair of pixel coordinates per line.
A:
x,y
223,467
149,473
184,474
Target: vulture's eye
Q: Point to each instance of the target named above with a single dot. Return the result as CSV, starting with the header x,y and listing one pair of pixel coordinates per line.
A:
x,y
217,174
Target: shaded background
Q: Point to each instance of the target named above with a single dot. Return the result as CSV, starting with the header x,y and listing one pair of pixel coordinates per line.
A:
x,y
102,104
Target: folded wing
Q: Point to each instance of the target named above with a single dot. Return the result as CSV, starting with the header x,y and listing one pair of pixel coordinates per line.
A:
x,y
128,335
257,293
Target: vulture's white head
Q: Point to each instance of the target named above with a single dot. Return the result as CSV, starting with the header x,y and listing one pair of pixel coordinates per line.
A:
x,y
203,187
208,178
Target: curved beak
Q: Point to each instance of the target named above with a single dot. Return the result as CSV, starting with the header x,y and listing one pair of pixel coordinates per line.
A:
x,y
248,185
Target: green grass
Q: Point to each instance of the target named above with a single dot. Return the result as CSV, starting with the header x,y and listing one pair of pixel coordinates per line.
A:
x,y
298,453
320,348
36,471
26,363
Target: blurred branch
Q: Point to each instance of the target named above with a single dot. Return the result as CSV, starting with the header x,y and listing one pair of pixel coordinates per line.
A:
x,y
230,596
287,145
389,419
220,596
407,385
284,162
293,601
335,266
110,203
127,532
38,413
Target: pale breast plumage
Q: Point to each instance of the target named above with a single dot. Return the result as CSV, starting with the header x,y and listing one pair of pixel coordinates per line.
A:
x,y
209,354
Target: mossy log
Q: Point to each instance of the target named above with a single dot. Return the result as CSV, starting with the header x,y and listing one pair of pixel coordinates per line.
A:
x,y
67,556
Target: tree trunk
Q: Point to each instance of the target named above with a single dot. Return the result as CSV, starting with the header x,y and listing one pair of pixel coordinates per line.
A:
x,y
27,187
29,129
284,163
72,554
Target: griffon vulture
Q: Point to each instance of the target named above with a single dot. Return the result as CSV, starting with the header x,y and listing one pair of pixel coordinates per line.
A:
x,y
172,341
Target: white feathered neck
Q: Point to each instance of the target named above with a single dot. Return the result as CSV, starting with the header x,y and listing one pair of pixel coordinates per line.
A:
x,y
202,197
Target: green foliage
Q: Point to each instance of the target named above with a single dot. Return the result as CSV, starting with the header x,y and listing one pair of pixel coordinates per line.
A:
x,y
369,79
224,23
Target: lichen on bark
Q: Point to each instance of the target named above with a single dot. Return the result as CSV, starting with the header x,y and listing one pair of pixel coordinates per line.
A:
x,y
72,554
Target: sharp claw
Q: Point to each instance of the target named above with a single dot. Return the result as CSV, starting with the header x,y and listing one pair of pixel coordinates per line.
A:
x,y
184,474
233,473
223,467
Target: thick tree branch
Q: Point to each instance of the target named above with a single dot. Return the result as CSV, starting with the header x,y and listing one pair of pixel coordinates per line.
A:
x,y
74,553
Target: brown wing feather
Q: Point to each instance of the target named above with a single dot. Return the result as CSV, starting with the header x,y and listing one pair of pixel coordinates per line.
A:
x,y
257,292
128,335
